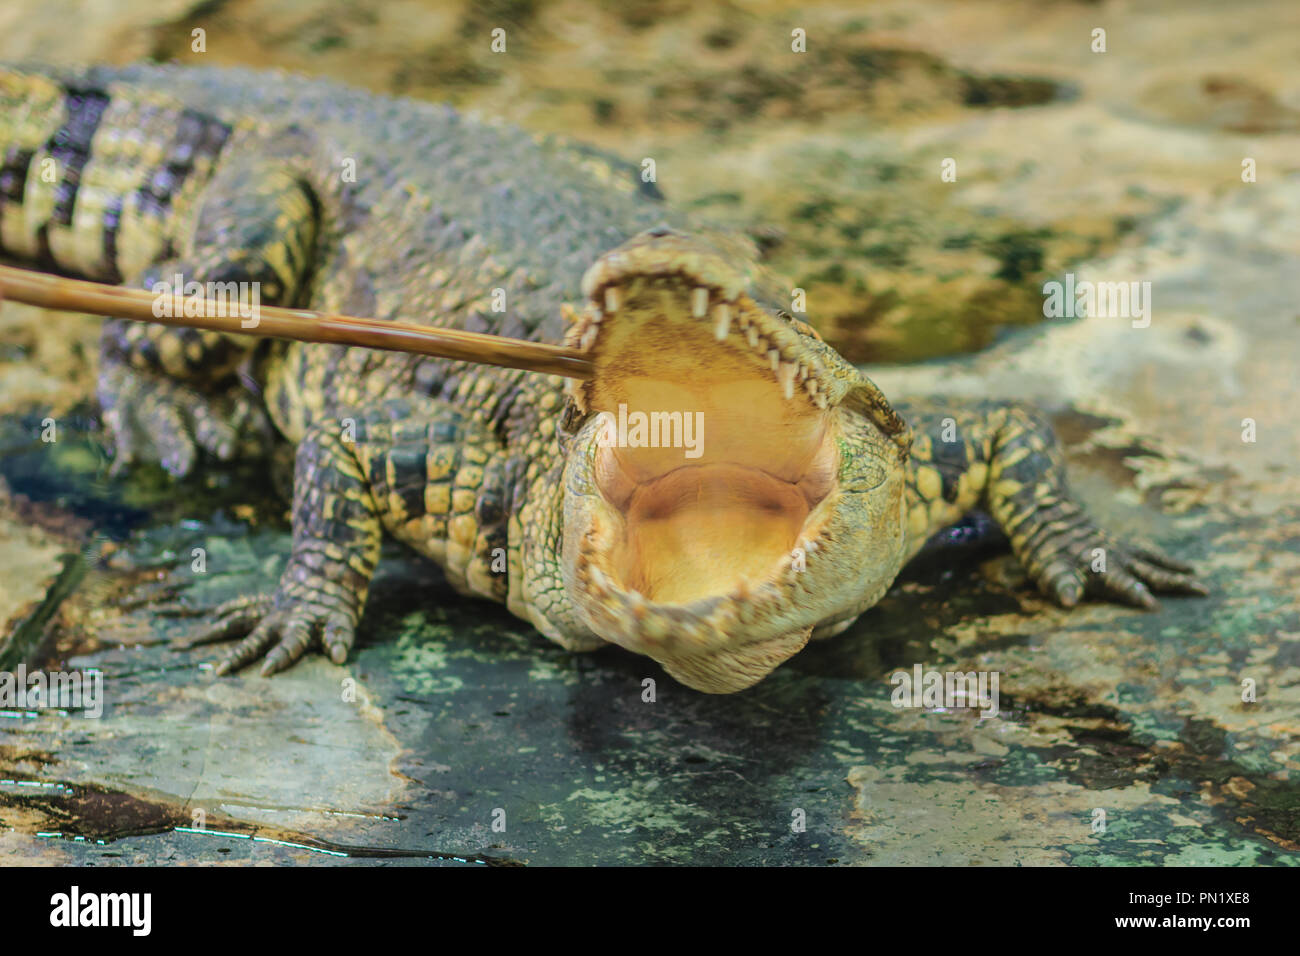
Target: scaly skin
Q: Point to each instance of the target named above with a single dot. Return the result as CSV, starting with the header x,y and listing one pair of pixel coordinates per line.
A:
x,y
810,491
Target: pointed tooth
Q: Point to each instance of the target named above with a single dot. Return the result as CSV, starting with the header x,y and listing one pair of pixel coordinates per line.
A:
x,y
721,321
637,605
589,337
751,336
699,302
693,633
820,400
774,357
655,628
786,374
613,298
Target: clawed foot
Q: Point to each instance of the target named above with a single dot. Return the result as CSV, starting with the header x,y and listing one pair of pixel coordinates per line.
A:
x,y
1095,565
153,418
282,631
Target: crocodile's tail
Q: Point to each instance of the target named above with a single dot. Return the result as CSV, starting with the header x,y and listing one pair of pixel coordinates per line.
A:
x,y
96,178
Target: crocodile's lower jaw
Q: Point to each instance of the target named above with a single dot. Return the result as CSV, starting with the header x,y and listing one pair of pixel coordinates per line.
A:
x,y
707,568
717,588
731,669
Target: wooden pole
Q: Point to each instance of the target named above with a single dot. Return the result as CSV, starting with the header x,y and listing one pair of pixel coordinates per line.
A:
x,y
300,325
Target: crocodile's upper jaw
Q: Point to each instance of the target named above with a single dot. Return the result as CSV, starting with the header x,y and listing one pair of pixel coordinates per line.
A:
x,y
779,506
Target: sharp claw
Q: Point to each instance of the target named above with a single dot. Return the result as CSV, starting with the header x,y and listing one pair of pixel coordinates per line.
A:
x,y
233,624
1163,560
1142,597
276,661
1135,574
1164,580
1195,588
337,640
250,648
1061,582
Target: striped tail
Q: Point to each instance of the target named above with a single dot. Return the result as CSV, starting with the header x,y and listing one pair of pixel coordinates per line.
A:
x,y
98,181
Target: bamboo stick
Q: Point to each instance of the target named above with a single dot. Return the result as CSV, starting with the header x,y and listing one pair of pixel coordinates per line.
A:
x,y
301,325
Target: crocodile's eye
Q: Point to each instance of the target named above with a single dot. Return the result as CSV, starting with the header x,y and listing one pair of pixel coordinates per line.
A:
x,y
861,475
569,423
800,326
863,465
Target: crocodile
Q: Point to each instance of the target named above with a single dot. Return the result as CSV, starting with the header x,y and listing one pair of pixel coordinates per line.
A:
x,y
772,498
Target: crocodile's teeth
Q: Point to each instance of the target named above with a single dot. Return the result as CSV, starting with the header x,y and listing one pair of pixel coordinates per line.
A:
x,y
786,375
699,302
721,321
751,336
613,298
747,609
820,400
694,633
774,357
589,337
655,629
636,604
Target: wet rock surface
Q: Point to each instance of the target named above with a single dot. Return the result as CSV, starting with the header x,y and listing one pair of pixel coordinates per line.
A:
x,y
453,716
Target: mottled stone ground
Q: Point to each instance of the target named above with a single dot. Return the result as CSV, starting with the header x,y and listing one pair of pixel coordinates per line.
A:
x,y
1118,166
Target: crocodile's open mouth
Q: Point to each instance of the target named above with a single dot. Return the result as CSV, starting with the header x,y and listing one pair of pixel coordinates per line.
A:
x,y
707,472
722,503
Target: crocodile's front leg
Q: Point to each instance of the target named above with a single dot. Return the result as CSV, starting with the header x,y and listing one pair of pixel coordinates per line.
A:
x,y
1004,458
322,591
418,469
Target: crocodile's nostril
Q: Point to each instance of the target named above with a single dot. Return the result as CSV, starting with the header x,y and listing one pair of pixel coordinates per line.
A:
x,y
659,232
